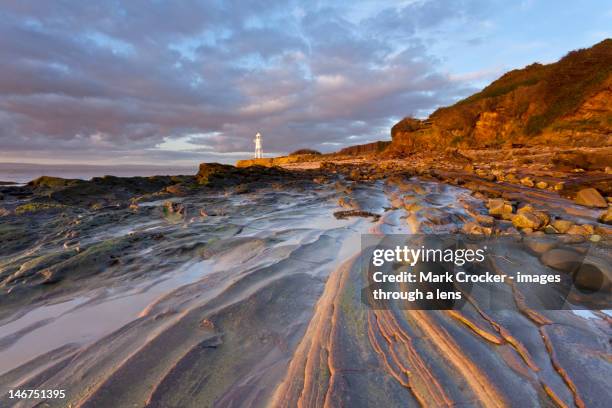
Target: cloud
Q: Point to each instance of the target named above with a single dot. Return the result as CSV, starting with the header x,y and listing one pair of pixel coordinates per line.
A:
x,y
124,81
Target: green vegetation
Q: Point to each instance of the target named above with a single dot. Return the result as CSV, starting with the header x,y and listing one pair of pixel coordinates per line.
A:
x,y
530,75
534,98
304,151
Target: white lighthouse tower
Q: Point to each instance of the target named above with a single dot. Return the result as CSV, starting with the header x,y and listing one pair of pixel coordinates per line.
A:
x,y
258,149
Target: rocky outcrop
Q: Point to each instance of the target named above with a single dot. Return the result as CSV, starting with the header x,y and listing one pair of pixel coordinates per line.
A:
x,y
590,197
565,103
363,149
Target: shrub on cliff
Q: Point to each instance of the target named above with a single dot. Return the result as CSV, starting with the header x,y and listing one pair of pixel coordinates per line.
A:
x,y
304,151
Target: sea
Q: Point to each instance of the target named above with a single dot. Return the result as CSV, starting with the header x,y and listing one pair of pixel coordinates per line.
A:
x,y
24,172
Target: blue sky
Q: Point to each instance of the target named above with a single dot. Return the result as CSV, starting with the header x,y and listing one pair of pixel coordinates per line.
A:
x,y
180,82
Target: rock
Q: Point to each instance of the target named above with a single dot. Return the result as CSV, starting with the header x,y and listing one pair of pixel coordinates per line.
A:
x,y
412,206
177,189
590,197
341,215
498,206
588,228
511,231
527,220
436,216
346,202
511,178
559,186
593,274
606,216
525,208
542,184
578,230
595,238
565,260
485,220
173,208
473,228
543,217
549,229
527,181
540,244
562,225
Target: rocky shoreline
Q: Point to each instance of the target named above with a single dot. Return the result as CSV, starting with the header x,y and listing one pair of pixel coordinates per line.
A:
x,y
250,273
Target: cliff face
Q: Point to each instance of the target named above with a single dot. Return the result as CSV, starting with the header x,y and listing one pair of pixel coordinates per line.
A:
x,y
566,103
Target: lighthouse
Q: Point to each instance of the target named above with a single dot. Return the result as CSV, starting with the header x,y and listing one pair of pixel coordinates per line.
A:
x,y
258,149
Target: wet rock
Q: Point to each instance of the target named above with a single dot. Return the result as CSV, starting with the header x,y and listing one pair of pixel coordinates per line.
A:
x,y
355,213
473,228
540,214
549,229
595,238
511,178
590,197
436,216
606,216
498,206
171,207
593,275
562,225
412,206
578,230
540,244
527,181
346,202
177,189
485,220
562,259
527,220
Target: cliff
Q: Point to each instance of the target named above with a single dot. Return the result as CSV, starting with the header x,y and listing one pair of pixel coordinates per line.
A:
x,y
567,103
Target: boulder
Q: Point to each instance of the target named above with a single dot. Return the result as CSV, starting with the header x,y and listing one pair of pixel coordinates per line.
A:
x,y
606,216
498,206
527,219
540,244
562,225
565,260
578,230
485,220
527,181
549,229
590,197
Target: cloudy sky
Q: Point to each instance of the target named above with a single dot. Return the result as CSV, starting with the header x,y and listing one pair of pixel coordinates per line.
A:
x,y
180,82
